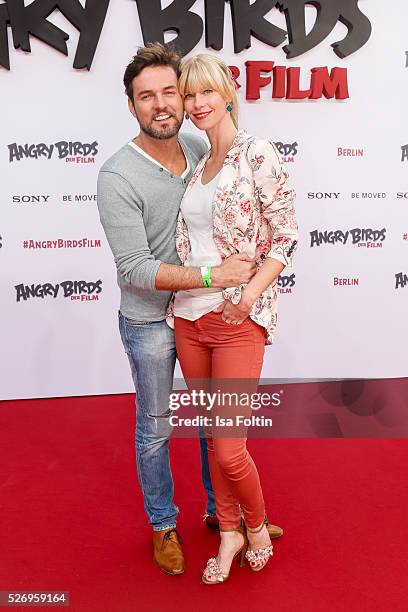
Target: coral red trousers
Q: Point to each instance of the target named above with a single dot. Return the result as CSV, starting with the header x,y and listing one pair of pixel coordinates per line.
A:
x,y
209,349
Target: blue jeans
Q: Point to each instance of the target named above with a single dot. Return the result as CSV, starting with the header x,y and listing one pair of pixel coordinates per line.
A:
x,y
205,475
151,350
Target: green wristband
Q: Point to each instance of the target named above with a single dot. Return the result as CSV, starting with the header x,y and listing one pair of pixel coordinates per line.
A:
x,y
206,275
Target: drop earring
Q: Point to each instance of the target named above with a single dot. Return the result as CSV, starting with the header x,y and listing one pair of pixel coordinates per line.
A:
x,y
187,116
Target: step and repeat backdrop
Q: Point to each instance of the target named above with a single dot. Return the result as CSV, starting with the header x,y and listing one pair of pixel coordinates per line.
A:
x,y
326,81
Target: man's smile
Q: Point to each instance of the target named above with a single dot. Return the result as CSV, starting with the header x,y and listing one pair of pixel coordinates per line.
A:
x,y
162,117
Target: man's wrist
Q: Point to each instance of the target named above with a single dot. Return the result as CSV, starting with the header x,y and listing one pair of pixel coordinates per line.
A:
x,y
206,276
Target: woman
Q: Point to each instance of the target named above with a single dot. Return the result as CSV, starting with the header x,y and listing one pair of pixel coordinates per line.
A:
x,y
236,202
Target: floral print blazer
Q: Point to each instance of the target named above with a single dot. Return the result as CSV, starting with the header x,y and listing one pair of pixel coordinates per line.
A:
x,y
253,213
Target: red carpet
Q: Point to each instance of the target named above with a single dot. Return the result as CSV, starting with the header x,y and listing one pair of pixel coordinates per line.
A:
x,y
72,517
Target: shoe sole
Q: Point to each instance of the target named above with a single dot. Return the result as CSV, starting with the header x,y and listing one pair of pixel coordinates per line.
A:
x,y
167,571
211,582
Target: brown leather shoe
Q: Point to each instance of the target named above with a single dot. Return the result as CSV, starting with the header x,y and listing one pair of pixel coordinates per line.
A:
x,y
273,530
167,551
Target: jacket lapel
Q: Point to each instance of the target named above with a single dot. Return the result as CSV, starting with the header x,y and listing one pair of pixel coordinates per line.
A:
x,y
227,177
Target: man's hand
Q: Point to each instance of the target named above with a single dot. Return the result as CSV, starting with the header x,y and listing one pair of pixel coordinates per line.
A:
x,y
233,271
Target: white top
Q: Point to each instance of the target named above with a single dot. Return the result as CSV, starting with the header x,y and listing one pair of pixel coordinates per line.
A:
x,y
197,212
139,150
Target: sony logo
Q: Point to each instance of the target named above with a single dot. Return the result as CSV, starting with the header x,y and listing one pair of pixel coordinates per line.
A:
x,y
30,199
323,195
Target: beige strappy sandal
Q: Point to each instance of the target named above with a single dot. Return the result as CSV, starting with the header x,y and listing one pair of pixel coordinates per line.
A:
x,y
214,570
260,556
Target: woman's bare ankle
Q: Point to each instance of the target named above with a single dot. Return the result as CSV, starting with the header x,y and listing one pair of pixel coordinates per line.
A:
x,y
260,539
230,539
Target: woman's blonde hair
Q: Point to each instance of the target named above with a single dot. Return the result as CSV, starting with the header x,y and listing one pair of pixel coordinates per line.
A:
x,y
205,70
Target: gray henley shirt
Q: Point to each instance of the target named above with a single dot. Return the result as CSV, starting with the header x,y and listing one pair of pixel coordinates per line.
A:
x,y
138,204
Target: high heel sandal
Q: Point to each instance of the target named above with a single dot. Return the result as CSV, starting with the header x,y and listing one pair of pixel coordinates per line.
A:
x,y
213,569
259,554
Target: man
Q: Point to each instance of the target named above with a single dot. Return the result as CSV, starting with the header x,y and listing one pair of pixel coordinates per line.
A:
x,y
139,194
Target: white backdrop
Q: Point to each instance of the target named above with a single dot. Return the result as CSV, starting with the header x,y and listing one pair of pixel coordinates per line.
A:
x,y
56,346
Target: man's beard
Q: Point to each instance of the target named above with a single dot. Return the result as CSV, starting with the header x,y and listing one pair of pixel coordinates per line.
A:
x,y
163,133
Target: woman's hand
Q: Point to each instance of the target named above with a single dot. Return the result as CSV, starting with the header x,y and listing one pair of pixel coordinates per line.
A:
x,y
235,314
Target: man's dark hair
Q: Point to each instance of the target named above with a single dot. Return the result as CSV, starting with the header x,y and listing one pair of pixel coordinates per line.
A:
x,y
153,54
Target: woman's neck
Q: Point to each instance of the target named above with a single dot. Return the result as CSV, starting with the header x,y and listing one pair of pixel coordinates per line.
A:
x,y
221,137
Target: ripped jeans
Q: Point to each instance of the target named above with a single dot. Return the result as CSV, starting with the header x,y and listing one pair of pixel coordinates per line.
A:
x,y
151,350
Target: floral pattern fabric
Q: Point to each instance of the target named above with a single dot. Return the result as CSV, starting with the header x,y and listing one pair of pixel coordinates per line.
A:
x,y
252,213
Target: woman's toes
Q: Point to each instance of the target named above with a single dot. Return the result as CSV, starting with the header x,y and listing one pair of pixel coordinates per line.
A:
x,y
210,577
